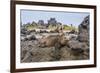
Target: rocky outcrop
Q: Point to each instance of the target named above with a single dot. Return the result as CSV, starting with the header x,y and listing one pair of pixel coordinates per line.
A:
x,y
80,46
83,35
23,30
77,47
52,21
40,22
28,37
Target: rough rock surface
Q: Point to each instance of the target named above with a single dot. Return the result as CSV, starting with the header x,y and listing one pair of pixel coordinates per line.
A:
x,y
81,45
83,35
56,48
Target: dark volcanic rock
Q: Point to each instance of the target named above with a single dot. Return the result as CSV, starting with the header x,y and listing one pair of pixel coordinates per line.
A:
x,y
28,38
83,35
78,50
37,54
80,46
40,22
52,21
23,30
31,37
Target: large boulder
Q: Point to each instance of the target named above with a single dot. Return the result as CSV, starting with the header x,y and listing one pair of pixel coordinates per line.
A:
x,y
28,38
23,30
83,35
77,47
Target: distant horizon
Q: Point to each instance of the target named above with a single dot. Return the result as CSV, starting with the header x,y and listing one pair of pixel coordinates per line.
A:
x,y
67,18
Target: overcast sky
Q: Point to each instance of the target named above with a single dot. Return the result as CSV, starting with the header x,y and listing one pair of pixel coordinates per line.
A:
x,y
63,17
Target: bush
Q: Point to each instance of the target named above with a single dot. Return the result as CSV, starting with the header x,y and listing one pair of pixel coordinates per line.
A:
x,y
65,27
